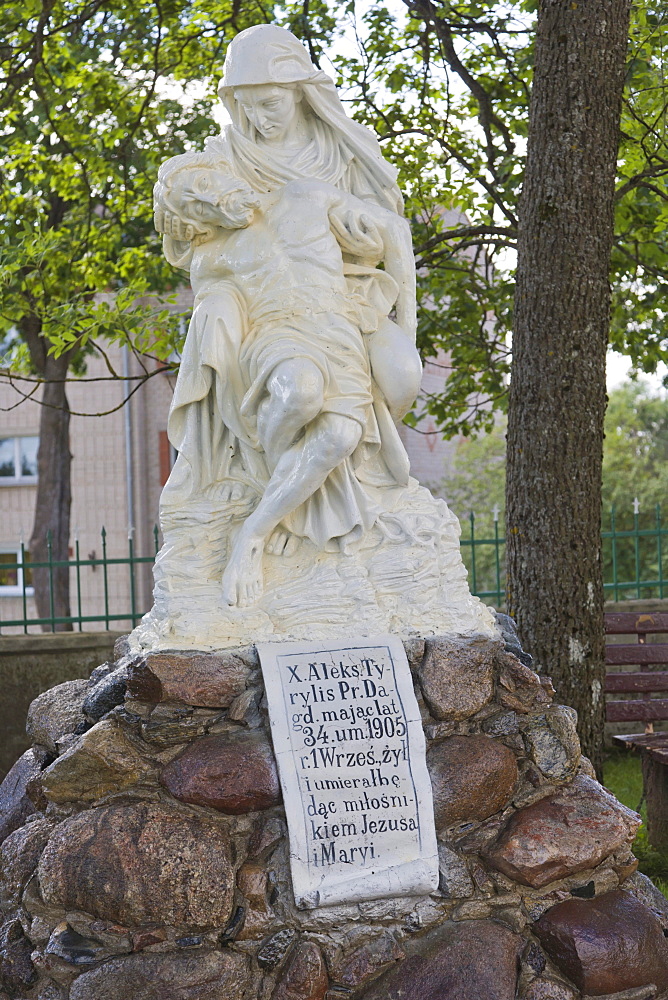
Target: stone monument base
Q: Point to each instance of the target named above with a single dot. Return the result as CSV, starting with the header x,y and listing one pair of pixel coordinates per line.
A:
x,y
154,862
404,575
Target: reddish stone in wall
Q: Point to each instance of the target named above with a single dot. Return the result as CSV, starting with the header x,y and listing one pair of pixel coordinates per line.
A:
x,y
472,778
305,975
457,675
140,864
206,680
471,960
564,833
232,775
366,962
605,945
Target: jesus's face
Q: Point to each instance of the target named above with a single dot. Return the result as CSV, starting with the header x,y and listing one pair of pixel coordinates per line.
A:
x,y
273,111
210,196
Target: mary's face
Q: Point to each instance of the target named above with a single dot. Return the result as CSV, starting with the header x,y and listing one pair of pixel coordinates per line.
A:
x,y
273,111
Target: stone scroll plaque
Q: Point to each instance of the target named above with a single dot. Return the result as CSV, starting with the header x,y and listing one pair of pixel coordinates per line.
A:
x,y
350,748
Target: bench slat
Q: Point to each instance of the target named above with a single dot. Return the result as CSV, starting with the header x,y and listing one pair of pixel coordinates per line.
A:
x,y
632,622
637,711
653,680
655,652
641,741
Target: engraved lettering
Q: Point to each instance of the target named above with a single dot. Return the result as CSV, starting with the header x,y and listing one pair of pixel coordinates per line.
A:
x,y
348,733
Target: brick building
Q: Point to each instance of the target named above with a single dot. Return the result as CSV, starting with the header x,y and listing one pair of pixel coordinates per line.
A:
x,y
120,461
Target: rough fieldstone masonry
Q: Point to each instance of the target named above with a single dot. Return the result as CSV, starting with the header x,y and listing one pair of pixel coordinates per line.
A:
x,y
145,854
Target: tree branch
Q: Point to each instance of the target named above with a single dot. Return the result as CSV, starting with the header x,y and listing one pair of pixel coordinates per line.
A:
x,y
487,117
466,232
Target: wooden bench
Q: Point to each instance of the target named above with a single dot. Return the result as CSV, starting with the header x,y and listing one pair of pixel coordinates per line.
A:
x,y
647,656
648,681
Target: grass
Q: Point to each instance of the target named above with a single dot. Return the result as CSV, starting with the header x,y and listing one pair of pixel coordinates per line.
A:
x,y
623,776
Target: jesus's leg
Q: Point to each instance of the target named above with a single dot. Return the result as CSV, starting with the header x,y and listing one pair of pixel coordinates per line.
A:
x,y
299,472
295,396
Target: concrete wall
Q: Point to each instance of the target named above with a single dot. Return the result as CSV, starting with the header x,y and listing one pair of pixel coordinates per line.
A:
x,y
30,664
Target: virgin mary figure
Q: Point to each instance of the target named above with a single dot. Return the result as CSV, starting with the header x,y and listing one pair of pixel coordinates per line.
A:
x,y
299,405
332,147
288,124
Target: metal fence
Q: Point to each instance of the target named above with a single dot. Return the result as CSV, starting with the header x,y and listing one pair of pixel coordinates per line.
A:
x,y
633,553
100,604
633,564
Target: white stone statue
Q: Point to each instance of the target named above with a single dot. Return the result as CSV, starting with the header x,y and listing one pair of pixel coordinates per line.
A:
x,y
290,511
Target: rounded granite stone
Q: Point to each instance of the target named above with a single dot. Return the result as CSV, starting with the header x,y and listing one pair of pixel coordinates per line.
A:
x,y
553,743
304,976
15,806
470,960
56,712
17,971
569,831
548,989
605,945
208,680
360,966
472,778
457,675
19,855
199,976
140,863
233,775
102,761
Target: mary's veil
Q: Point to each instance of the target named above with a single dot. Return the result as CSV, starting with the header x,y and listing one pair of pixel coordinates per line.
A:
x,y
345,153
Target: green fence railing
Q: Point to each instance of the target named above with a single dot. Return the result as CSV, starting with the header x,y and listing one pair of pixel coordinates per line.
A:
x,y
633,541
634,551
113,599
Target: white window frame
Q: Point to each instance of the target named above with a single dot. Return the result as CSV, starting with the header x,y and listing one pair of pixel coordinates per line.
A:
x,y
10,590
17,480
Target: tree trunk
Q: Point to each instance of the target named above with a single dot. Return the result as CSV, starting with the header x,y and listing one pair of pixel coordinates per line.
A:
x,y
557,393
53,501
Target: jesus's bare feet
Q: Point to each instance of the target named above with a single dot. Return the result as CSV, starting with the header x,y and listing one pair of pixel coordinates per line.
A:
x,y
281,543
242,579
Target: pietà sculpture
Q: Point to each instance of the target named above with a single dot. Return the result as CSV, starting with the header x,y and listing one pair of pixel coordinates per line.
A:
x,y
290,511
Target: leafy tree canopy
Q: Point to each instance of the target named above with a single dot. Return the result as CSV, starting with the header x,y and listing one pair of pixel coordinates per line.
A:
x,y
635,454
635,458
96,94
446,86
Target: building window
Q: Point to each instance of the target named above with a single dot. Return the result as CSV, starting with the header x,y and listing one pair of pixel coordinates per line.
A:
x,y
18,460
12,574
